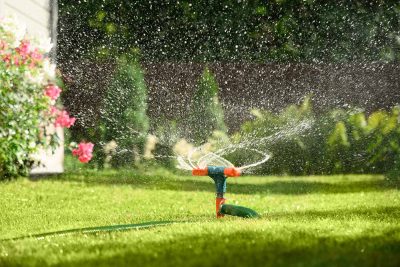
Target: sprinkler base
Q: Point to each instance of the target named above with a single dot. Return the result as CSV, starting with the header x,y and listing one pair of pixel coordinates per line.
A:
x,y
238,211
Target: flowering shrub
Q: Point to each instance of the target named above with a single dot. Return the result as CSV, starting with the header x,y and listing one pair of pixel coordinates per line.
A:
x,y
52,91
83,152
63,119
28,107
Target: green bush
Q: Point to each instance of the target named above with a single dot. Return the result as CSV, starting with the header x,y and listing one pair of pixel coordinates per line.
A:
x,y
167,133
290,137
394,173
335,142
124,118
206,114
368,144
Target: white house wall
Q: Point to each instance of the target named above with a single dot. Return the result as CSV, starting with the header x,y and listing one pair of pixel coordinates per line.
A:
x,y
35,14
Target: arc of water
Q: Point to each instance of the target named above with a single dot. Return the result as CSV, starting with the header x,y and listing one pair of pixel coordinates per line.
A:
x,y
280,134
216,157
265,159
182,164
211,157
190,154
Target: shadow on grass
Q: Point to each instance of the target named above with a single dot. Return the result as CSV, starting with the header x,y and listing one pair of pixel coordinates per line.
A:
x,y
292,187
242,248
369,214
96,229
365,251
262,246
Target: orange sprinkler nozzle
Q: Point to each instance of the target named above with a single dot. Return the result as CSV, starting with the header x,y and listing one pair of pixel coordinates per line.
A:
x,y
232,172
200,172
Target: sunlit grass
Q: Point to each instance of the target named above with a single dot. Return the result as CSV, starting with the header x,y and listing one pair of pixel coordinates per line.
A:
x,y
306,221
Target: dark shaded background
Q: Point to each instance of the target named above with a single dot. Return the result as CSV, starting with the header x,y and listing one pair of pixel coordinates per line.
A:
x,y
265,54
243,86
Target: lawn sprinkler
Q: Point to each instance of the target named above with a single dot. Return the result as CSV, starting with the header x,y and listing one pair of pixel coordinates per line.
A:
x,y
220,174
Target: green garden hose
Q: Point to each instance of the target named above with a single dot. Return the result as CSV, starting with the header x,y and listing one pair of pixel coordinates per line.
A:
x,y
90,230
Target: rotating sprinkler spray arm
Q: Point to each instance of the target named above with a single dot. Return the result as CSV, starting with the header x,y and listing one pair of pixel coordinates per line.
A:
x,y
219,175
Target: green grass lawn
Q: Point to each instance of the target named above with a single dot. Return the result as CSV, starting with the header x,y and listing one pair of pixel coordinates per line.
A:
x,y
305,221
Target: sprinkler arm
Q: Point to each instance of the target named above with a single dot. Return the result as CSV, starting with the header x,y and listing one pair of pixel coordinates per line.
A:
x,y
228,172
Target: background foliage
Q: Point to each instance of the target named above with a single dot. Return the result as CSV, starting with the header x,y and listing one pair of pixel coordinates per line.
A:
x,y
339,141
124,116
119,130
206,114
259,30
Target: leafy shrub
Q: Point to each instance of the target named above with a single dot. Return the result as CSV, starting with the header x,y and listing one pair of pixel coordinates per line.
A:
x,y
394,173
124,117
206,114
336,142
368,144
167,133
290,137
28,113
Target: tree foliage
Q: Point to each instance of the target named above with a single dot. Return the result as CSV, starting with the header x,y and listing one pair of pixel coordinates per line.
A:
x,y
124,115
206,114
335,142
257,30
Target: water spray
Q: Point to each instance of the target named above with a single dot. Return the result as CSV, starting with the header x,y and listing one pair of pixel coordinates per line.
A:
x,y
212,164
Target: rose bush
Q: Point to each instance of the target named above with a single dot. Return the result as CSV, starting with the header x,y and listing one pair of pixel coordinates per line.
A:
x,y
29,111
83,152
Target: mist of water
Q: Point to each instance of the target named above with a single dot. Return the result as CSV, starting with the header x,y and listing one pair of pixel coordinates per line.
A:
x,y
208,158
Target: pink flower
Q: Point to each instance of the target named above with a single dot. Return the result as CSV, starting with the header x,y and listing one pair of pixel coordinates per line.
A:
x,y
16,60
7,58
64,120
54,111
36,55
84,152
3,47
24,48
75,152
85,158
52,91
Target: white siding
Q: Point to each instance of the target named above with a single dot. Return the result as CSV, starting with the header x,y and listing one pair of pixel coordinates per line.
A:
x,y
43,3
36,15
51,163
